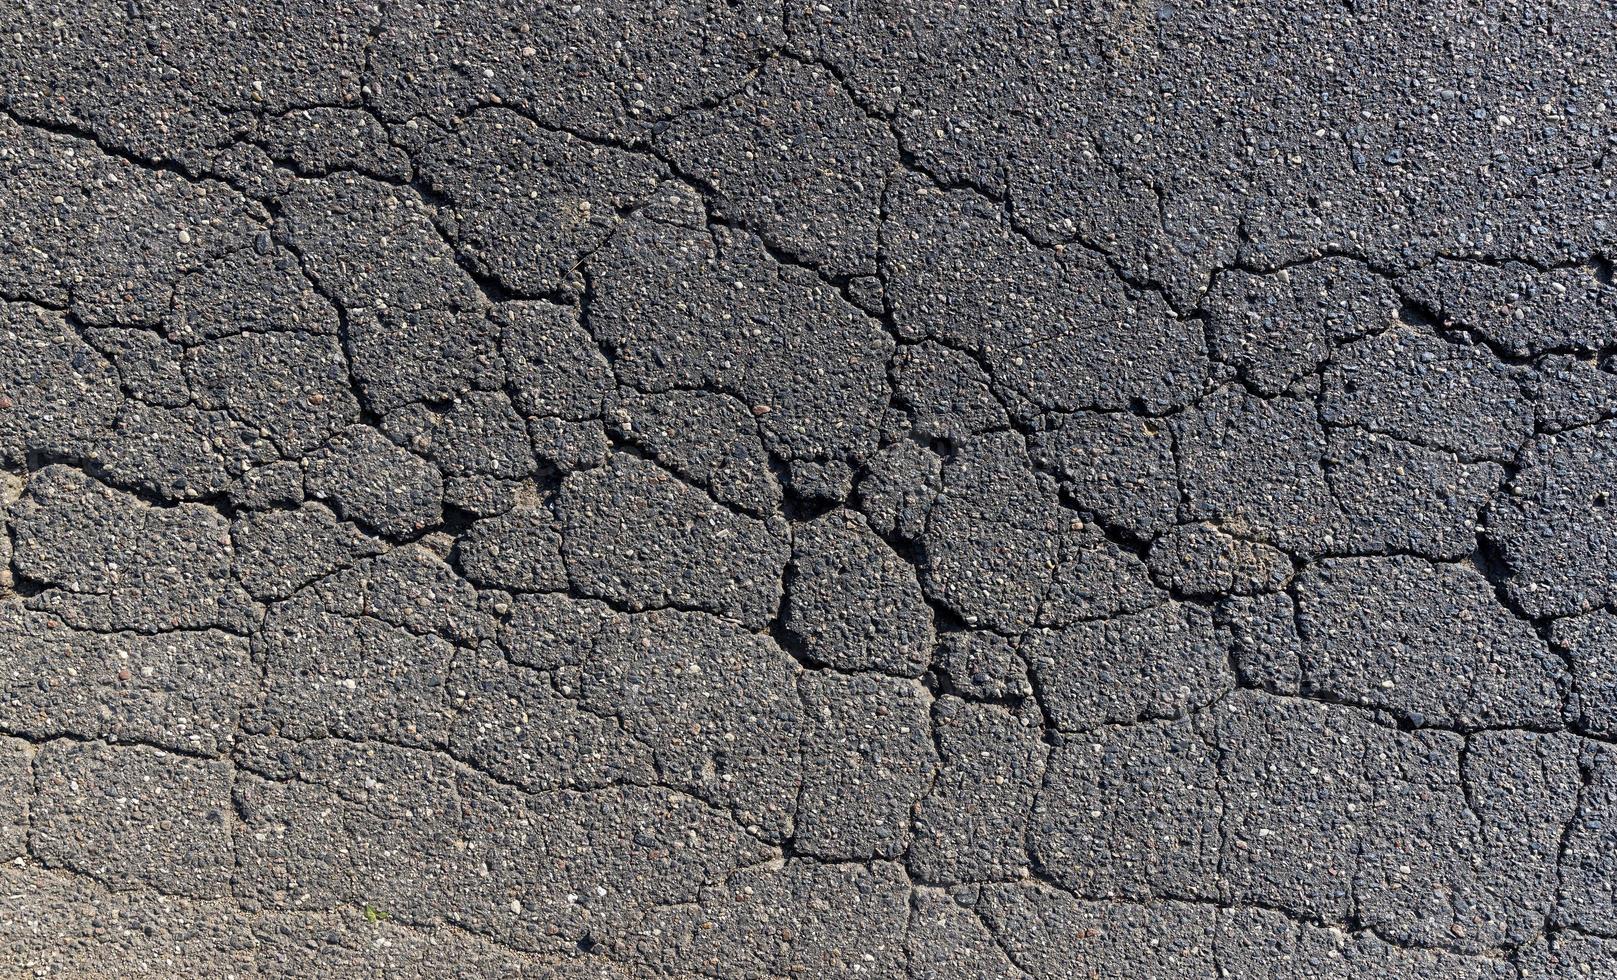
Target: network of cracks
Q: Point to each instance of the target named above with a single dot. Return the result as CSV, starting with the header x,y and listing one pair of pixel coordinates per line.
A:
x,y
744,491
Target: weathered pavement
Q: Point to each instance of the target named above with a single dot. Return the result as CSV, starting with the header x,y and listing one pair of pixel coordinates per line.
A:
x,y
880,490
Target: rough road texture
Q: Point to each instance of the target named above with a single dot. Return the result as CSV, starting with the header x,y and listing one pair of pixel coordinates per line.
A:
x,y
895,489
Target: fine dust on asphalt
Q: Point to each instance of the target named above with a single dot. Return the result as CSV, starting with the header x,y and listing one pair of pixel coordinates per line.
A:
x,y
902,490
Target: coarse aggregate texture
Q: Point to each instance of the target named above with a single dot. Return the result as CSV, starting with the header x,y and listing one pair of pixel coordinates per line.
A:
x,y
884,490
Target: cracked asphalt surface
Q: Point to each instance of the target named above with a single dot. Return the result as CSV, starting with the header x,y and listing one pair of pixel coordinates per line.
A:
x,y
895,489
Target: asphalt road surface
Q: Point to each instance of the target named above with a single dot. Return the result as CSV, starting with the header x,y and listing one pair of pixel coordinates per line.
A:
x,y
866,489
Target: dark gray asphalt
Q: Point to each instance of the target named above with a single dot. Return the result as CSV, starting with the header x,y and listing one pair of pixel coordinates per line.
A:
x,y
869,489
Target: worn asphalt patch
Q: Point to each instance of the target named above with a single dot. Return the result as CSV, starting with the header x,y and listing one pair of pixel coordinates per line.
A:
x,y
855,490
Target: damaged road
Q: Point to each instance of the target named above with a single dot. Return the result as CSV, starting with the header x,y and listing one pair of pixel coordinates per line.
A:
x,y
881,490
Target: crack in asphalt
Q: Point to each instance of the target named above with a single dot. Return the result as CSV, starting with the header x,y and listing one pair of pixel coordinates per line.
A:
x,y
806,491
